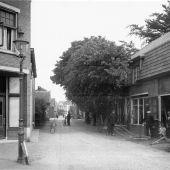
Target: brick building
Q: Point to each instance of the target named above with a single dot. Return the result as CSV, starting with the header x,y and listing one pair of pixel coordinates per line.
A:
x,y
15,16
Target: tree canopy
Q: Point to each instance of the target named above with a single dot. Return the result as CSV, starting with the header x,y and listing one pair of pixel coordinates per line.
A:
x,y
93,71
157,25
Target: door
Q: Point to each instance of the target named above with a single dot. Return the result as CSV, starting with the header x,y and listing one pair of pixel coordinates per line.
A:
x,y
2,117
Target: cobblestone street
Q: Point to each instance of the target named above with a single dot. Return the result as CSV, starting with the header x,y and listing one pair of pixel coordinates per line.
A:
x,y
81,147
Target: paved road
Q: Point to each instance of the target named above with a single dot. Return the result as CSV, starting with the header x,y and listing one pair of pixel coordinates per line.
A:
x,y
80,147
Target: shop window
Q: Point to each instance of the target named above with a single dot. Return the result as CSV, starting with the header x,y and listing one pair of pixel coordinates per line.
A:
x,y
14,85
13,111
7,29
135,111
13,101
139,106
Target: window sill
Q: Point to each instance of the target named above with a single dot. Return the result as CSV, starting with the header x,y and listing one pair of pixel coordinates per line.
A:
x,y
8,52
137,124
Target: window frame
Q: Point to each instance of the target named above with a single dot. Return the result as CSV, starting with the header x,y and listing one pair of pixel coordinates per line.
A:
x,y
2,25
13,95
138,109
135,73
7,42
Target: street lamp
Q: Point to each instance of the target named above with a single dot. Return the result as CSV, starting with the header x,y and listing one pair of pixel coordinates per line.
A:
x,y
21,47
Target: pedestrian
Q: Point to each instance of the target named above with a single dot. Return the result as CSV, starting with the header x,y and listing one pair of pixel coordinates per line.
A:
x,y
111,123
53,125
148,120
65,121
68,118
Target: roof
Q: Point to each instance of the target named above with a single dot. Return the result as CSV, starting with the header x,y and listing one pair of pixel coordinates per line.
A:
x,y
154,44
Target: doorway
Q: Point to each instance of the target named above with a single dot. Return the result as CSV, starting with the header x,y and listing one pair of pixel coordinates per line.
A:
x,y
165,107
2,118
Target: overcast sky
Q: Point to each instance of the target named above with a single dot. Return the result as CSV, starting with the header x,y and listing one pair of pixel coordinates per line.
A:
x,y
55,24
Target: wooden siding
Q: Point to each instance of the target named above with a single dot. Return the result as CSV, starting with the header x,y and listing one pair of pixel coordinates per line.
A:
x,y
156,61
149,86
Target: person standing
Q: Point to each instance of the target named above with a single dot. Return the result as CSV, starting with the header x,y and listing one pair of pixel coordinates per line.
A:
x,y
111,123
149,122
68,118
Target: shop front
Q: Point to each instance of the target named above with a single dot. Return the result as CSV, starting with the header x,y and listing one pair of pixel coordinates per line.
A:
x,y
9,105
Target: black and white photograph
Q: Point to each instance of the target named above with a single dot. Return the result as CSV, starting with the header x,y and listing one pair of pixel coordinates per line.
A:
x,y
84,85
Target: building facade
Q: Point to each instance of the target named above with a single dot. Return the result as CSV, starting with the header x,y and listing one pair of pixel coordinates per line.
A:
x,y
15,17
150,85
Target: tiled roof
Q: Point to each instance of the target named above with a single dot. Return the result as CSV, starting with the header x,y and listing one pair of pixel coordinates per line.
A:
x,y
156,43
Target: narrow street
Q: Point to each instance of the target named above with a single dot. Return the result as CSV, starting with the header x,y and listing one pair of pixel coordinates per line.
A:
x,y
81,147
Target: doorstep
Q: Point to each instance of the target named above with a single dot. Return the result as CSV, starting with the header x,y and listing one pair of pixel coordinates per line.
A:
x,y
7,141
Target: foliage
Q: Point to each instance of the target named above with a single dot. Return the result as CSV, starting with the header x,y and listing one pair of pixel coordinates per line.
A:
x,y
157,25
92,72
40,106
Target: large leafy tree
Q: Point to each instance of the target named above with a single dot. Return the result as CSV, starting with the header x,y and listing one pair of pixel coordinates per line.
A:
x,y
156,25
93,71
40,108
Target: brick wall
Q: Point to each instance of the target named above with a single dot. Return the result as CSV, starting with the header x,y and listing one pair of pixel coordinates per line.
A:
x,y
24,21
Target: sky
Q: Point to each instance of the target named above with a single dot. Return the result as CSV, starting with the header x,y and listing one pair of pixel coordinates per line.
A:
x,y
55,24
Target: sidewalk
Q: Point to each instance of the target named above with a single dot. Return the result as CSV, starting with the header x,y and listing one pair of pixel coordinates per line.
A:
x,y
9,151
124,133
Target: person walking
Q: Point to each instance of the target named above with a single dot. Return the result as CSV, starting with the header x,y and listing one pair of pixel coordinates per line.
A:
x,y
53,125
68,118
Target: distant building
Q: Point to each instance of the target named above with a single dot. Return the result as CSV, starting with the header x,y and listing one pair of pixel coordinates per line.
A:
x,y
64,105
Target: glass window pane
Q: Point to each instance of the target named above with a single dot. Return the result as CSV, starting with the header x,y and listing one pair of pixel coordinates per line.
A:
x,y
14,85
135,102
141,111
1,116
146,105
7,15
3,14
7,18
7,21
11,17
1,35
141,102
3,20
135,114
13,111
135,111
11,23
